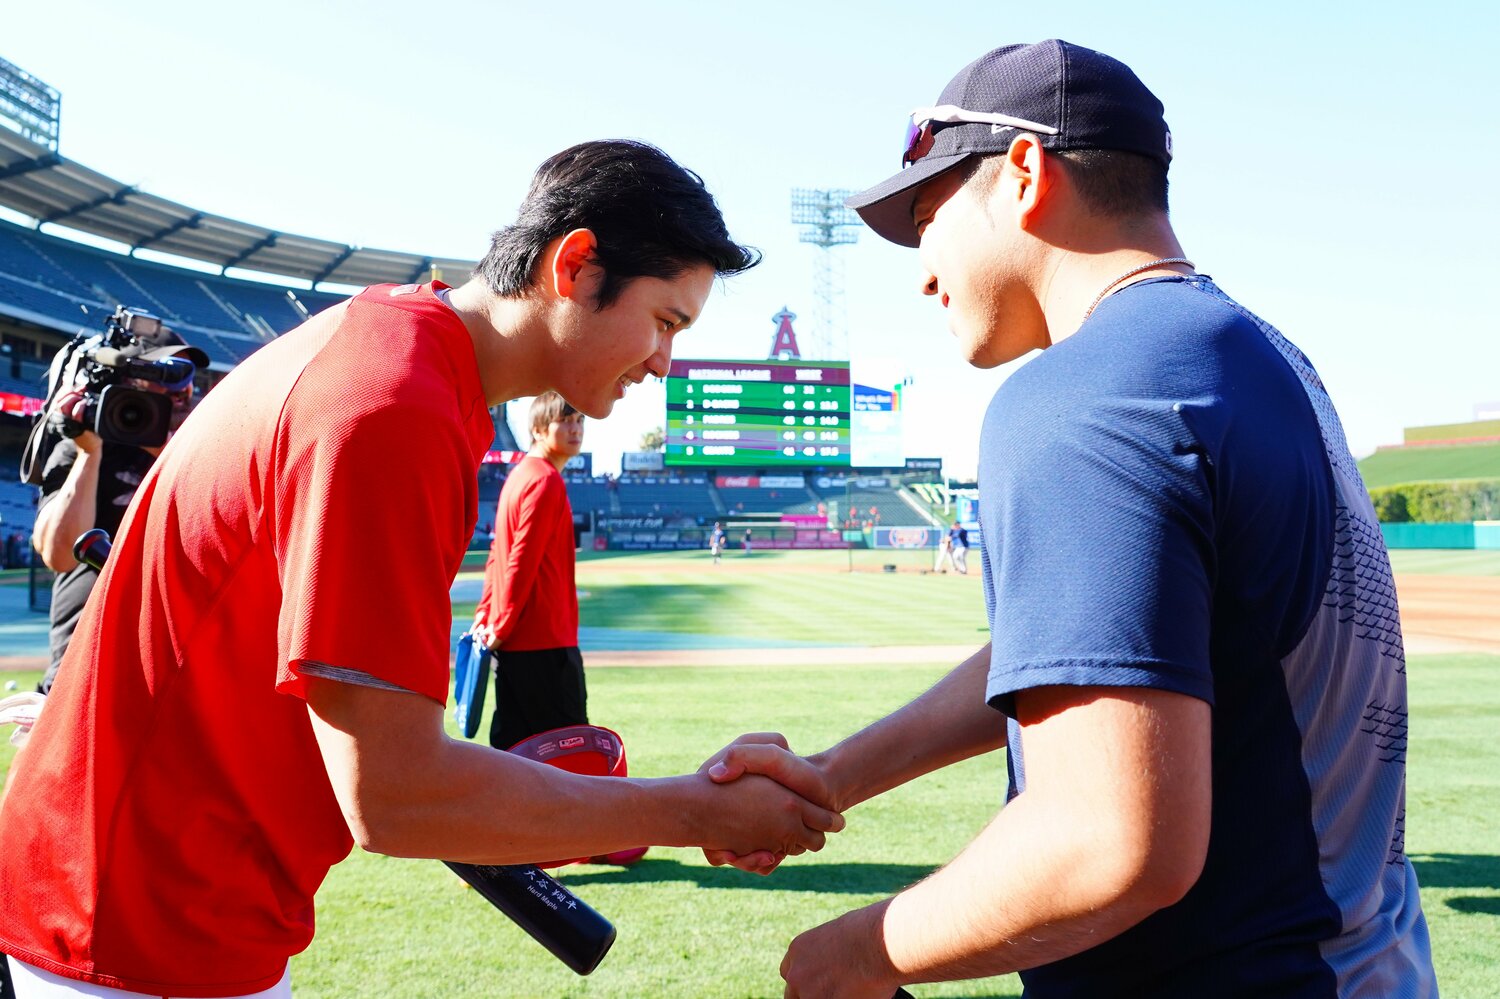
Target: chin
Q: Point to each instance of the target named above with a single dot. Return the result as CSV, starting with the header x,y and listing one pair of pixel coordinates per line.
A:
x,y
594,409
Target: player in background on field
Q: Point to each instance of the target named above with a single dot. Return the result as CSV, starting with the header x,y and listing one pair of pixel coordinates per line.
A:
x,y
944,553
716,541
1196,661
528,613
958,548
259,681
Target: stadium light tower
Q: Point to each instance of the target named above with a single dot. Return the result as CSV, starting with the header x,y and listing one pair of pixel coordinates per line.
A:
x,y
824,222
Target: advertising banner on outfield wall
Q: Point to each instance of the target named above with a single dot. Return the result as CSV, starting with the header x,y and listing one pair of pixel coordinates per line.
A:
x,y
907,537
641,461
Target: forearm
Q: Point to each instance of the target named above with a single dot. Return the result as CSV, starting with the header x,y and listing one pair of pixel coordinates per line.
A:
x,y
948,723
71,512
479,805
1035,886
1113,825
407,789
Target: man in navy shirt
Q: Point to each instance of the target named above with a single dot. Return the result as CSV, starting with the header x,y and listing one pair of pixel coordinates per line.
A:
x,y
1195,658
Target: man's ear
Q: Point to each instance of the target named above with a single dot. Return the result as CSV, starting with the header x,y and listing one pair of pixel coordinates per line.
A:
x,y
1029,174
571,260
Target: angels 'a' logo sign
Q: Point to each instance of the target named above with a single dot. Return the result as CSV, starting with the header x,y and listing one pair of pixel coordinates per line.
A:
x,y
909,537
785,344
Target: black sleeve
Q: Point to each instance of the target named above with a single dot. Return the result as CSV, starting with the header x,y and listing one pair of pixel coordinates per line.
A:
x,y
55,471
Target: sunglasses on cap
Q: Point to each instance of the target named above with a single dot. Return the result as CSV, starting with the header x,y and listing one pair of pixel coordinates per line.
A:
x,y
926,121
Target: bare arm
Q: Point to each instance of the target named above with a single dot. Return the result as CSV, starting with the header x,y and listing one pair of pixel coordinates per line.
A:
x,y
407,789
948,723
72,510
1113,825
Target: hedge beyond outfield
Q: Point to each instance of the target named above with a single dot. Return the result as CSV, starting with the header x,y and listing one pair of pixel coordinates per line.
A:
x,y
1458,501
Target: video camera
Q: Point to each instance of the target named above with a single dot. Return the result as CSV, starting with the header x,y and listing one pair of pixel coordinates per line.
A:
x,y
134,380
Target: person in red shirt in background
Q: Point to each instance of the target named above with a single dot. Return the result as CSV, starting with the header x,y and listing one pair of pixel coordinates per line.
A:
x,y
528,614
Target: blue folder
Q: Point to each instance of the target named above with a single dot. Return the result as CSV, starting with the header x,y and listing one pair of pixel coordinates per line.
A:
x,y
471,676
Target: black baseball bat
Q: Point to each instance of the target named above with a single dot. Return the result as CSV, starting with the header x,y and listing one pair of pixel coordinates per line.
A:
x,y
554,917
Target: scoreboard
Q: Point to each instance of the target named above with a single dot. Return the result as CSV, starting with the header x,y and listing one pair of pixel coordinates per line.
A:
x,y
762,414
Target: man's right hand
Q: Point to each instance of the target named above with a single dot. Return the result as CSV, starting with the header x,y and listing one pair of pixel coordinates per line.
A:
x,y
757,821
767,754
68,415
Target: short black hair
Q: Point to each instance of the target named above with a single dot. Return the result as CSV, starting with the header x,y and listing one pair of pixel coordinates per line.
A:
x,y
1110,182
1117,184
651,217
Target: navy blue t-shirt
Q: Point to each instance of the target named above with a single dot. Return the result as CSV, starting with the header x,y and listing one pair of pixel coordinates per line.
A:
x,y
1168,501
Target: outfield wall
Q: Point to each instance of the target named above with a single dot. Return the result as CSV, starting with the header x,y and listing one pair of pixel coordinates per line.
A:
x,y
1483,534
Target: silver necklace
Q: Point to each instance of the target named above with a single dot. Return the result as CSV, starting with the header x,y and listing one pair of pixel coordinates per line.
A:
x,y
1132,273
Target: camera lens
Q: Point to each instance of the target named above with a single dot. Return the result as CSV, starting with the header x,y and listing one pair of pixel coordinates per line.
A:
x,y
131,416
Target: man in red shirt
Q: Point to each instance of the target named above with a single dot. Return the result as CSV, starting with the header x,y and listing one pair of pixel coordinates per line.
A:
x,y
528,613
259,679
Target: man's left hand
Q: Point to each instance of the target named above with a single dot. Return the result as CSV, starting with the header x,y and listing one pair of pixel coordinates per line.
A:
x,y
842,959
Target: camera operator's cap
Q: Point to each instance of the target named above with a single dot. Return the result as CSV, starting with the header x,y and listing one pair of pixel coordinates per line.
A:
x,y
166,342
1069,96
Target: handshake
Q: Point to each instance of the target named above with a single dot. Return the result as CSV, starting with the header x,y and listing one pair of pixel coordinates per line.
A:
x,y
768,804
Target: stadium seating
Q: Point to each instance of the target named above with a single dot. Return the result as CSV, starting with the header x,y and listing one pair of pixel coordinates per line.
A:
x,y
757,499
17,501
228,318
590,494
865,494
667,494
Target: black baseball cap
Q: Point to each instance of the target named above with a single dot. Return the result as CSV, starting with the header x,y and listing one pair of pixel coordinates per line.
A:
x,y
1069,96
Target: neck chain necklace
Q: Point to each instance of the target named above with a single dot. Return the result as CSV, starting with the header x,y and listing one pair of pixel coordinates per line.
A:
x,y
1162,262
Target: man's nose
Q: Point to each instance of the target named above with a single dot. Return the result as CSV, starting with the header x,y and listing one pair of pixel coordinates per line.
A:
x,y
929,283
660,362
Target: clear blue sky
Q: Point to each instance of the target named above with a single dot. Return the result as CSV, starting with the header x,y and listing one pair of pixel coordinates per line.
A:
x,y
1335,162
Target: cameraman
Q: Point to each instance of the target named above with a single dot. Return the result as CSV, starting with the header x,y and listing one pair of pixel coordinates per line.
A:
x,y
88,482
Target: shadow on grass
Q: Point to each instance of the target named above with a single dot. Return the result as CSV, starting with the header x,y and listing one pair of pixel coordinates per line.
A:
x,y
1457,870
847,879
1462,870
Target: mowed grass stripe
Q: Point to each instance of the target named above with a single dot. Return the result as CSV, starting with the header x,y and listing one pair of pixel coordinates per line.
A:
x,y
775,596
1446,562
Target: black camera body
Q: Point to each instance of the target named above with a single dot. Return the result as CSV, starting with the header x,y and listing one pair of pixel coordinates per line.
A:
x,y
135,389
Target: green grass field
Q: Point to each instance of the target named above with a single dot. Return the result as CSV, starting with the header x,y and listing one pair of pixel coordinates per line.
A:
x,y
1432,462
408,928
794,596
1446,561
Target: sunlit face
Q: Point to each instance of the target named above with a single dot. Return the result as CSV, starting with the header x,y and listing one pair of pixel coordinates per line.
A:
x,y
605,353
561,438
971,259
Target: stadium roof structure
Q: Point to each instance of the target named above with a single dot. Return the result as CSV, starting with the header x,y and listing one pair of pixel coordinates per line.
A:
x,y
50,188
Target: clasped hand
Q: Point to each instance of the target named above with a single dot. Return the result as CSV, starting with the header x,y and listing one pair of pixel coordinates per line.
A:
x,y
767,754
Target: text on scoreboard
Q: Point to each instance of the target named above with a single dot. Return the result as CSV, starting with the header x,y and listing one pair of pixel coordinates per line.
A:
x,y
758,413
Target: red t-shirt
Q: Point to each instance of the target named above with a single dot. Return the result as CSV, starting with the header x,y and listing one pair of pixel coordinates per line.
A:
x,y
171,819
529,595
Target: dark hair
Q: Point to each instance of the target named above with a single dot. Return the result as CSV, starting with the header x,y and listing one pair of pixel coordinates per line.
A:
x,y
651,217
549,408
1110,182
1116,184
